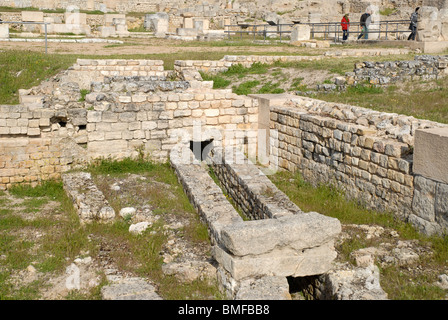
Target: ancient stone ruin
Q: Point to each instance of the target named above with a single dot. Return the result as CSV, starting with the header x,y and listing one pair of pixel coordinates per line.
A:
x,y
387,161
295,22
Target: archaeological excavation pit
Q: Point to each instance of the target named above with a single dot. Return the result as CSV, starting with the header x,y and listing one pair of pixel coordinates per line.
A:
x,y
255,256
385,161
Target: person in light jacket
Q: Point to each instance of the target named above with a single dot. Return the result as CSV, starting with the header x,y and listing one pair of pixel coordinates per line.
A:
x,y
365,23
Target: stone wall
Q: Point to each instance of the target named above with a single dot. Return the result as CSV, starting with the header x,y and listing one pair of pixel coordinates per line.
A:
x,y
368,154
28,151
256,196
121,116
423,67
226,62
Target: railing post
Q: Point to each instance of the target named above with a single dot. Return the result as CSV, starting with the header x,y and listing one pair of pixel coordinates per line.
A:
x,y
46,45
387,27
336,29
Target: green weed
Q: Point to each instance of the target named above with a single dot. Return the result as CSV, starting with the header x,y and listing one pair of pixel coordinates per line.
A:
x,y
245,88
23,69
271,88
83,92
218,81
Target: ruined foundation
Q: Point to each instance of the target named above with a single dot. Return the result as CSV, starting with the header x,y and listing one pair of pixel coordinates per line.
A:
x,y
136,107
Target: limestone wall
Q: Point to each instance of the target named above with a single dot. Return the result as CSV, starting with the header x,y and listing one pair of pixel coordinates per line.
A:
x,y
214,66
368,154
423,67
121,116
256,196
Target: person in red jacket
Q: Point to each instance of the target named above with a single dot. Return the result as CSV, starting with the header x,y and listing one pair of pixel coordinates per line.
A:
x,y
345,24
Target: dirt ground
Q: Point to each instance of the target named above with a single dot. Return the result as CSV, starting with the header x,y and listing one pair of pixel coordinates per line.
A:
x,y
138,46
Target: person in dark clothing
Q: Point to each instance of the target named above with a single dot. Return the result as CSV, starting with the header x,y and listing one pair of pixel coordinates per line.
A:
x,y
345,24
364,22
413,24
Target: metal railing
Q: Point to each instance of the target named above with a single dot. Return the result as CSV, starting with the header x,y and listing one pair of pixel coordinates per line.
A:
x,y
26,22
326,30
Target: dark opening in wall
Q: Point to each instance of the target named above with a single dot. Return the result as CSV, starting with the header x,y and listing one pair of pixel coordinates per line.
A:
x,y
82,127
307,286
62,121
201,148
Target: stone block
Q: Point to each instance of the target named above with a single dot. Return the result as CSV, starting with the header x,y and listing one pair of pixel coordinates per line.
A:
x,y
265,288
75,18
158,23
300,33
107,32
114,148
299,231
32,16
4,31
188,23
187,32
61,28
430,152
280,262
109,18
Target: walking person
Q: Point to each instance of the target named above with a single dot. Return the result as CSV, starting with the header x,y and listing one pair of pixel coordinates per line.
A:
x,y
413,24
365,22
345,24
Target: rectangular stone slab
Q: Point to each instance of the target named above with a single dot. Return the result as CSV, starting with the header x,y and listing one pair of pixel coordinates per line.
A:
x,y
282,262
430,151
299,231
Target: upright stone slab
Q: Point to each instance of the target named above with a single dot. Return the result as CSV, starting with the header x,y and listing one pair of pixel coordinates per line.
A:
x,y
76,18
4,31
265,101
300,32
430,153
188,23
158,23
32,16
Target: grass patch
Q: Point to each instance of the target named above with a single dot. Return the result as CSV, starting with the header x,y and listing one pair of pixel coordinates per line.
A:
x,y
401,283
83,92
241,71
113,166
331,201
426,100
23,70
158,190
218,81
52,189
361,89
65,239
245,88
271,88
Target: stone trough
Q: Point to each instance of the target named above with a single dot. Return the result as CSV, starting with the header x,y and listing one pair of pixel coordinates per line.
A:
x,y
282,241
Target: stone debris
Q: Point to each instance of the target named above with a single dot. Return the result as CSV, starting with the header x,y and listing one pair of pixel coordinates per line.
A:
x,y
346,283
127,212
139,228
129,288
265,288
189,271
88,200
442,281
